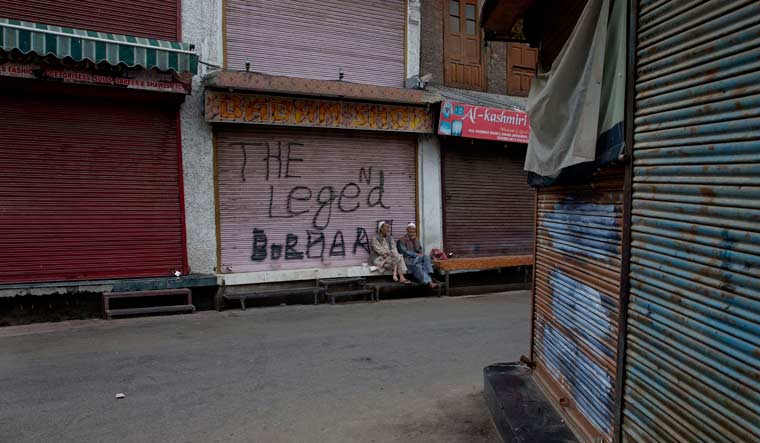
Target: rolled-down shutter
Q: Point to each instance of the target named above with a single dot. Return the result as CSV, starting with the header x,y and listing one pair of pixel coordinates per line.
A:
x,y
693,338
489,205
318,39
295,198
88,189
577,298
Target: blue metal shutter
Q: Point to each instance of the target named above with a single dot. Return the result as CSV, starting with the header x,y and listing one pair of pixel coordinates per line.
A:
x,y
576,299
692,359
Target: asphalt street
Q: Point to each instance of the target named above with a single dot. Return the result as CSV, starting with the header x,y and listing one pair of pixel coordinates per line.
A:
x,y
395,371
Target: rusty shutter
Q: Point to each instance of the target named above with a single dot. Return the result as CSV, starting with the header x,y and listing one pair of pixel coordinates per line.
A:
x,y
693,338
314,39
462,49
306,198
89,188
142,18
577,298
489,206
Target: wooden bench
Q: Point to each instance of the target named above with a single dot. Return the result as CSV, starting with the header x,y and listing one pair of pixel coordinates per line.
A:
x,y
109,313
475,264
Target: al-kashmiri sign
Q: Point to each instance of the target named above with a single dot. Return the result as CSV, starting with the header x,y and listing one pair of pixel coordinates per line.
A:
x,y
253,109
138,79
462,120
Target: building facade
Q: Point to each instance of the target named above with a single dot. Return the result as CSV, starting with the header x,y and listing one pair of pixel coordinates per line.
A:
x,y
93,181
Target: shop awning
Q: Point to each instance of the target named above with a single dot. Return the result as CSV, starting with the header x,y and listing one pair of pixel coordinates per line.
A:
x,y
96,47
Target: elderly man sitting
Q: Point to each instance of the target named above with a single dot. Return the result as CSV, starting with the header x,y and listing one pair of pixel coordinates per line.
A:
x,y
384,253
416,260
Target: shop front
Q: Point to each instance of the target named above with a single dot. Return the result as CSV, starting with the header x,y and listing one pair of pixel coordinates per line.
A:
x,y
303,182
488,205
91,186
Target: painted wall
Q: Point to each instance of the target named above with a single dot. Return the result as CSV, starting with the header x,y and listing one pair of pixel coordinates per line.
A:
x,y
202,26
430,192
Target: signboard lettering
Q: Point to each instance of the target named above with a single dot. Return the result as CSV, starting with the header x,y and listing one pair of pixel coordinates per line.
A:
x,y
463,120
224,107
138,79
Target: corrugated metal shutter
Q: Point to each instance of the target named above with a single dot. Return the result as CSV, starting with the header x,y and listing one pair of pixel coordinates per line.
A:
x,y
693,354
88,189
141,18
489,205
577,298
313,39
334,189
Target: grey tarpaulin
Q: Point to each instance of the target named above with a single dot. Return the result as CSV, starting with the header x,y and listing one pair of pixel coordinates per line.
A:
x,y
579,102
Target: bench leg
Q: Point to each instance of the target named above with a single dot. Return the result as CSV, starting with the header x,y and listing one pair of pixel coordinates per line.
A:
x,y
219,299
447,284
242,303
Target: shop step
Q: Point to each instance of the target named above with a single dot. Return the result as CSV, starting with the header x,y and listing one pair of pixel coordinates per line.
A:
x,y
263,293
349,293
108,313
149,310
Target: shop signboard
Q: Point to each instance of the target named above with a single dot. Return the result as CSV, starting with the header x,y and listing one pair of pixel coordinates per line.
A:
x,y
463,120
137,79
224,107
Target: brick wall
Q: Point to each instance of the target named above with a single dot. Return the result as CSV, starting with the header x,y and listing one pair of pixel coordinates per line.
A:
x,y
496,68
431,41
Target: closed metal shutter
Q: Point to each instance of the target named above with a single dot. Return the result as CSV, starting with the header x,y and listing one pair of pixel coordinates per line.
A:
x,y
489,206
314,39
693,337
306,198
142,18
577,298
88,189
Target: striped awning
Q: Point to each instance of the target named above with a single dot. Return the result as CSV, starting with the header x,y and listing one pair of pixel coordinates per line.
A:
x,y
97,47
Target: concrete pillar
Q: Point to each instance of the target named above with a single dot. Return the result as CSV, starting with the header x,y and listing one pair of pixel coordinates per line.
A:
x,y
430,192
412,38
201,26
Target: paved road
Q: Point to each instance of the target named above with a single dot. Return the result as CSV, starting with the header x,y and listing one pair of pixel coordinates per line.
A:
x,y
395,371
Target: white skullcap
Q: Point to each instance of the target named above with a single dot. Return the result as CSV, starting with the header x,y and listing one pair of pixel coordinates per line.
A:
x,y
411,225
380,224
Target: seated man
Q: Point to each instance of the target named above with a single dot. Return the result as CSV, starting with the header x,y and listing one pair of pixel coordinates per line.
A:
x,y
384,253
416,260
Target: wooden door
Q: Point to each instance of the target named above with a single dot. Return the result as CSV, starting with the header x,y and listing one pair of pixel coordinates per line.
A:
x,y
521,68
462,50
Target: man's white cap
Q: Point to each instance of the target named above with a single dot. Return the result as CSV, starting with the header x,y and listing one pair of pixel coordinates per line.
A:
x,y
380,224
411,225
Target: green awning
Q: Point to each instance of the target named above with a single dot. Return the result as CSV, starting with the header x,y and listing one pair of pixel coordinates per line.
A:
x,y
97,47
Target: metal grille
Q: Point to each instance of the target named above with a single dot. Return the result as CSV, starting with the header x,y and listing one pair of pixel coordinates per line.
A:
x,y
320,191
314,39
88,190
576,298
692,359
141,18
489,205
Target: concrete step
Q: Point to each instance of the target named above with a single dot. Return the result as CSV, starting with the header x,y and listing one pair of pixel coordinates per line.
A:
x,y
520,410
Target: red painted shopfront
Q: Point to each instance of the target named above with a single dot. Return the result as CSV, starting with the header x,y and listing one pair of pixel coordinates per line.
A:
x,y
90,170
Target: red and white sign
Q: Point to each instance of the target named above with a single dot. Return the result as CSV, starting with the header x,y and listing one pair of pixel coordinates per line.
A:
x,y
139,79
463,120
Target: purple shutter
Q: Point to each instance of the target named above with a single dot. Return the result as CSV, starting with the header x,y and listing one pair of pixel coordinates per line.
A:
x,y
257,222
313,39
